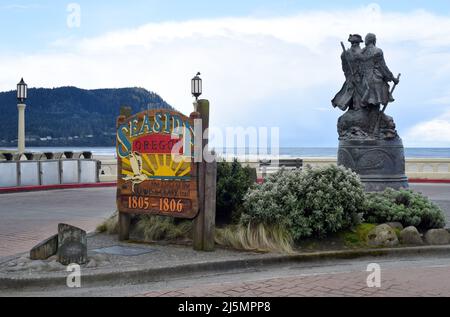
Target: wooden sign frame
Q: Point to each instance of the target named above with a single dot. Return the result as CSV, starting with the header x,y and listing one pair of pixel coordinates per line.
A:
x,y
151,179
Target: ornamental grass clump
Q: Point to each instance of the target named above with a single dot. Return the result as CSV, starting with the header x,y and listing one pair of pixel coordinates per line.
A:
x,y
314,202
260,238
158,228
404,206
110,225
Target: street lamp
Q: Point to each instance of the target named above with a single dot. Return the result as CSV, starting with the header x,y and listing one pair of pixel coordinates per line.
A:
x,y
21,97
196,88
22,91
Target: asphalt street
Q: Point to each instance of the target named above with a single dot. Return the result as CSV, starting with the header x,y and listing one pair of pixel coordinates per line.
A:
x,y
439,193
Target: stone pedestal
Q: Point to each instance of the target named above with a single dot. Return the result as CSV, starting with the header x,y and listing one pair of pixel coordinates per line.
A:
x,y
72,245
380,163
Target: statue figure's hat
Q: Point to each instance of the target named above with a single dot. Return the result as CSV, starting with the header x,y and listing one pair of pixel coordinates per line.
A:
x,y
355,38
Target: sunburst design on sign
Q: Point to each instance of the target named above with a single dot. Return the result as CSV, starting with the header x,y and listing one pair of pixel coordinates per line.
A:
x,y
156,166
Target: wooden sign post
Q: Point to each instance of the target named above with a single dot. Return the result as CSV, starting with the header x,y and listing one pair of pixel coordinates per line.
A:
x,y
157,174
204,224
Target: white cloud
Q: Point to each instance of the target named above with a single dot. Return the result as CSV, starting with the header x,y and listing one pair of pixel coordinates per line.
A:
x,y
443,100
19,6
247,62
435,132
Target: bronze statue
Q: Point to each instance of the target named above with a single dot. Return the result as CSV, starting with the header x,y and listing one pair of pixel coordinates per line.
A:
x,y
369,143
366,88
376,74
350,94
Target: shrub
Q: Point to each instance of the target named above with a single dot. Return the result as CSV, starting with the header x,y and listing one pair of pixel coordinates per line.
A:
x,y
233,181
309,203
404,206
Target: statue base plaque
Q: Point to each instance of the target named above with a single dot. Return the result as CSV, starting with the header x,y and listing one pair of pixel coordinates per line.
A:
x,y
379,163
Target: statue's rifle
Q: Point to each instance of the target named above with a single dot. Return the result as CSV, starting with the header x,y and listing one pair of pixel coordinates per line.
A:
x,y
346,59
377,126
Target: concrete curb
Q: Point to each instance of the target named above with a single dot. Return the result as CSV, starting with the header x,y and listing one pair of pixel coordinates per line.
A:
x,y
149,274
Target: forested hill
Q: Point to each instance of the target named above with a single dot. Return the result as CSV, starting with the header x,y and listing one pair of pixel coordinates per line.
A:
x,y
70,116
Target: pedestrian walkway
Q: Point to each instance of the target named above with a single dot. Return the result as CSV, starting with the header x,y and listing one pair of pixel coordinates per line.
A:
x,y
412,282
28,218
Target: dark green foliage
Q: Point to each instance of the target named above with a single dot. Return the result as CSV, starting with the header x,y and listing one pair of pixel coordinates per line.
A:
x,y
68,112
309,203
233,181
404,206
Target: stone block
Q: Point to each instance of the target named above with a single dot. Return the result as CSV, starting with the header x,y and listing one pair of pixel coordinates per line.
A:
x,y
411,236
45,249
382,236
72,248
395,225
437,237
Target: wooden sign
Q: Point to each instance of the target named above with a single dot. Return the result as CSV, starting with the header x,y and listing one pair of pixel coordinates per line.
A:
x,y
156,171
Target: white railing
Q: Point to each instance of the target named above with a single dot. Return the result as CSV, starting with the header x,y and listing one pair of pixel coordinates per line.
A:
x,y
108,171
48,172
421,169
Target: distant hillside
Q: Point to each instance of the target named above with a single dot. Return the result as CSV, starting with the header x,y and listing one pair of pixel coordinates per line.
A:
x,y
70,116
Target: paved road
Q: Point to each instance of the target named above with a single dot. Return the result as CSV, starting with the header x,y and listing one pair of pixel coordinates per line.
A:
x,y
28,218
399,277
439,193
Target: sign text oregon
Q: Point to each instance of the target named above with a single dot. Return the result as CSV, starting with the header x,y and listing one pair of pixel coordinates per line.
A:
x,y
156,173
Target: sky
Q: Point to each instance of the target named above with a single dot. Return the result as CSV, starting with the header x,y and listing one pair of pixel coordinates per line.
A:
x,y
263,63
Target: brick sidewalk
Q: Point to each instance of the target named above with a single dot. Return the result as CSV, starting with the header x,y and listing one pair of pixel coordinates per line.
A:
x,y
413,282
29,218
21,237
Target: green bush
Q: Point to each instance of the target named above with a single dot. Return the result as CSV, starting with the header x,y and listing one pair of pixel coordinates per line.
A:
x,y
404,206
233,181
309,203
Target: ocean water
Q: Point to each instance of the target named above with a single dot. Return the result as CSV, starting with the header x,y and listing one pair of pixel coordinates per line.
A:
x,y
299,152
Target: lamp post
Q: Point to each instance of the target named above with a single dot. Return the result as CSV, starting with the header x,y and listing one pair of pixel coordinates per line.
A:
x,y
21,98
196,88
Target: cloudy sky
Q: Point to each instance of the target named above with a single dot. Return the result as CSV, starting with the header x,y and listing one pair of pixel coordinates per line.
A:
x,y
264,63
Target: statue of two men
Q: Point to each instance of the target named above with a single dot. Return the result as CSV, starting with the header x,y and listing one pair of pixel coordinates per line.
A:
x,y
366,88
367,76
